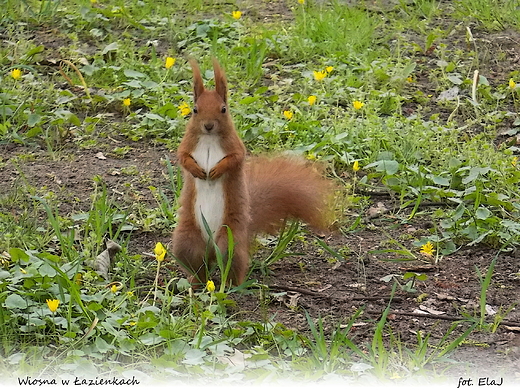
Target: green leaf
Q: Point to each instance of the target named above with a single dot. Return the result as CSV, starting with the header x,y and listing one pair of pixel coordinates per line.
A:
x,y
421,277
151,339
474,173
455,79
249,99
441,181
34,119
34,51
111,47
102,346
390,167
482,213
94,306
15,301
194,357
17,254
47,270
133,74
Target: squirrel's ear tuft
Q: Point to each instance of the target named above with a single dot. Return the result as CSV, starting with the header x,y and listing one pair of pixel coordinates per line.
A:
x,y
198,84
220,80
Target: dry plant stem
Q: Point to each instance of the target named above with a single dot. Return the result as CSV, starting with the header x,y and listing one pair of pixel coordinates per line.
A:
x,y
437,317
69,80
474,86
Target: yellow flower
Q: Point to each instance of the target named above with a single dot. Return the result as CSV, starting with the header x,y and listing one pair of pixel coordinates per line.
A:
x,y
318,76
170,61
130,293
311,156
114,288
288,114
184,108
358,105
53,304
16,74
395,375
311,99
427,249
329,69
409,79
236,14
514,161
512,84
210,286
355,166
301,1
160,251
127,102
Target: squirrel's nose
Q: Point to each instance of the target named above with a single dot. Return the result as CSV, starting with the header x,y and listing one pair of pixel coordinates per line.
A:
x,y
209,126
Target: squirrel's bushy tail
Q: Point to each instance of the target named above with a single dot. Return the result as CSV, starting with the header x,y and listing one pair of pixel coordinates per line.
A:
x,y
287,187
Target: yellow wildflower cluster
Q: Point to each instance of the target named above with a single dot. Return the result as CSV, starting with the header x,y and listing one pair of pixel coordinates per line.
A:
x,y
427,249
357,104
169,62
16,74
160,252
53,304
184,108
320,75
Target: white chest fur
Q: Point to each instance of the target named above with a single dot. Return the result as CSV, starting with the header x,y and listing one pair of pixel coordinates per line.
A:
x,y
209,195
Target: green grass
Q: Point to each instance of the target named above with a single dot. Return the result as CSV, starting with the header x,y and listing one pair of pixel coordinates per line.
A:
x,y
79,61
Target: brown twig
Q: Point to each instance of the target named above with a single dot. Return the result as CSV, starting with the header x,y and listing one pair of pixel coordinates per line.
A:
x,y
322,295
443,317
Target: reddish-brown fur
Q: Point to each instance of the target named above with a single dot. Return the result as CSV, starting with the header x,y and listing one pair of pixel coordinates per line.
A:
x,y
259,195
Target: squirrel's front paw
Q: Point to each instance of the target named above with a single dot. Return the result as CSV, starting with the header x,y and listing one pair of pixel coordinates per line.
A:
x,y
199,174
215,173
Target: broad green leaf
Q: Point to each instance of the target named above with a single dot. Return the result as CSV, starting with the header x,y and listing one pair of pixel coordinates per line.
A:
x,y
18,254
194,357
15,301
34,119
111,47
249,99
47,270
442,181
482,213
151,339
133,74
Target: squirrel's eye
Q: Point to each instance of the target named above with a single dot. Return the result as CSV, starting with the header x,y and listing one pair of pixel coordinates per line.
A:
x,y
195,110
223,110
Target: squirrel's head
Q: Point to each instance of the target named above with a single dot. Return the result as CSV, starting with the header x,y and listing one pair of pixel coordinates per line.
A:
x,y
210,109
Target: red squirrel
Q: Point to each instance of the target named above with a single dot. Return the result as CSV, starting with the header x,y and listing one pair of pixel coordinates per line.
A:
x,y
224,189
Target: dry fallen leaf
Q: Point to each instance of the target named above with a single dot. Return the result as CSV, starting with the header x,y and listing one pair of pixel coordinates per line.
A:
x,y
377,210
102,262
